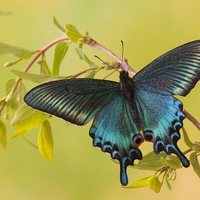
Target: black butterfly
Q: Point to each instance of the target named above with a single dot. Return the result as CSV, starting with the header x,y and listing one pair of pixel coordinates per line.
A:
x,y
121,110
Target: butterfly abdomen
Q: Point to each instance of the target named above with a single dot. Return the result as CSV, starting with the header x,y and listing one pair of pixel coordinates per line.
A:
x,y
127,89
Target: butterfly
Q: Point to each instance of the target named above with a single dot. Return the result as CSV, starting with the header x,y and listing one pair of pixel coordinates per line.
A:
x,y
131,111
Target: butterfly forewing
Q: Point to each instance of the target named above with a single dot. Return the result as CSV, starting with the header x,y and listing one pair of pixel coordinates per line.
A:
x,y
74,100
175,72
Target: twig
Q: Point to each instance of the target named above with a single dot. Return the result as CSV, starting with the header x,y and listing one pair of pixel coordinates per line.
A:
x,y
192,119
123,63
42,51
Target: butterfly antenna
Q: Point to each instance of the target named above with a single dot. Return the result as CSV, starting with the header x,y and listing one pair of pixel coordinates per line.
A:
x,y
122,49
108,65
101,60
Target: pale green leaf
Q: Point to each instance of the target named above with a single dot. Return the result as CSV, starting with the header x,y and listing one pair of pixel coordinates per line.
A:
x,y
45,67
28,118
195,163
16,97
154,183
186,138
196,146
2,100
2,134
151,161
59,54
13,99
59,27
45,141
9,85
91,73
84,57
72,33
139,183
166,181
172,161
37,78
10,50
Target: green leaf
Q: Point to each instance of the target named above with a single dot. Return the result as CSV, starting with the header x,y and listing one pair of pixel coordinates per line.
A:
x,y
195,163
9,84
186,138
28,118
138,184
166,181
59,54
2,100
45,67
13,103
151,161
84,57
72,33
154,183
91,73
45,141
10,50
37,78
172,161
15,98
59,27
196,146
2,134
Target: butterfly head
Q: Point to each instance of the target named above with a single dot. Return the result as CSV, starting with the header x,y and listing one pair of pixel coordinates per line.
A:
x,y
123,75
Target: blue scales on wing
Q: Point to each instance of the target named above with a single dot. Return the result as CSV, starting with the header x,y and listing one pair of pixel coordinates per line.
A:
x,y
74,100
114,130
161,118
174,73
144,102
79,100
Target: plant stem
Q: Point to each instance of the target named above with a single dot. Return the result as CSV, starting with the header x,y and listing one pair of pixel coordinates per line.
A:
x,y
123,63
192,119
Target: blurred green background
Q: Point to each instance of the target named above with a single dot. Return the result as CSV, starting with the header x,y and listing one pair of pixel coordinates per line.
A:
x,y
80,171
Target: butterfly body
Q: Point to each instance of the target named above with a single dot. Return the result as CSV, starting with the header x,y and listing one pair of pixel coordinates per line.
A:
x,y
131,111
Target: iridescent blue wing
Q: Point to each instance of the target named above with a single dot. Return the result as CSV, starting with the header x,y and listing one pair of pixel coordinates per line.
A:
x,y
175,72
74,100
161,118
161,115
79,100
114,130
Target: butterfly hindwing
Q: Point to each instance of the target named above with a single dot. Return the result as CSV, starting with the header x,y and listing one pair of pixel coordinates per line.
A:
x,y
79,100
161,116
74,100
114,131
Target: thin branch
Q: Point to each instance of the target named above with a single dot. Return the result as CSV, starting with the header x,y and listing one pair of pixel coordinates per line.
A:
x,y
123,63
89,41
41,52
192,119
45,48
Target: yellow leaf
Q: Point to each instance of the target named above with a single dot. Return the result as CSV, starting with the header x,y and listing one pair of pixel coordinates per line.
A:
x,y
19,132
138,184
154,183
2,134
28,118
45,141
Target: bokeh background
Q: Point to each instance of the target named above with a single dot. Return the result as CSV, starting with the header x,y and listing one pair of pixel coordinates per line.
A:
x,y
80,171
